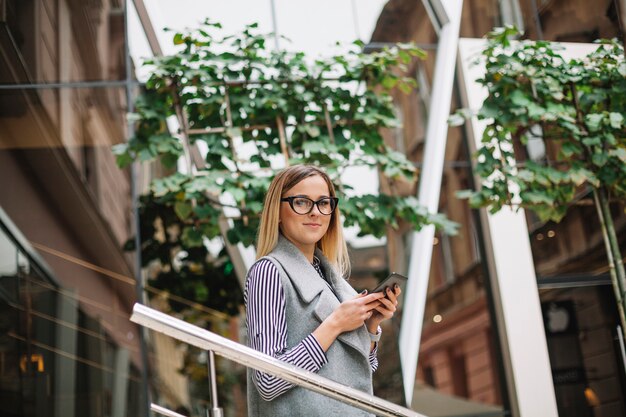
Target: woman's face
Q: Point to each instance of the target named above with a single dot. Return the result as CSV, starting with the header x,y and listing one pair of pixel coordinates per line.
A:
x,y
305,230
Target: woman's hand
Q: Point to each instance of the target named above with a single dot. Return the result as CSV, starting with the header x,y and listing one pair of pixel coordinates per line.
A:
x,y
353,313
385,309
350,315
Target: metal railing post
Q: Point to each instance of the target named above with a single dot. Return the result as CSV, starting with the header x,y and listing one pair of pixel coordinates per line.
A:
x,y
215,410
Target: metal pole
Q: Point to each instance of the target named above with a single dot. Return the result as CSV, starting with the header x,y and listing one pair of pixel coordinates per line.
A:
x,y
620,338
275,25
355,18
215,410
144,389
429,189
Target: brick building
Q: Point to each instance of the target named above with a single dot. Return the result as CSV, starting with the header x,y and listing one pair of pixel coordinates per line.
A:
x,y
459,354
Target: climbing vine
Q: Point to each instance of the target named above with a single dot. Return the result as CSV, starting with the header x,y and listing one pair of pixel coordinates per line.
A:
x,y
576,110
244,111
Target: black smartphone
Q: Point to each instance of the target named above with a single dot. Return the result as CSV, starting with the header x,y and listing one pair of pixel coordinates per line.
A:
x,y
390,281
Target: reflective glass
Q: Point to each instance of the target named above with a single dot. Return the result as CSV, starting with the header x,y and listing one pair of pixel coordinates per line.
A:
x,y
587,360
55,357
47,41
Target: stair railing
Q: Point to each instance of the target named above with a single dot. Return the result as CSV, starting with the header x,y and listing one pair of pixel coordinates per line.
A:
x,y
204,339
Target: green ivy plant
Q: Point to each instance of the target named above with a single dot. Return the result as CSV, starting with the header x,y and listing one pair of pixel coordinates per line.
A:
x,y
577,107
249,111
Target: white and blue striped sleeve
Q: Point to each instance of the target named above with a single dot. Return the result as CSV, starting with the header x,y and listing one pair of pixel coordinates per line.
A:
x,y
267,330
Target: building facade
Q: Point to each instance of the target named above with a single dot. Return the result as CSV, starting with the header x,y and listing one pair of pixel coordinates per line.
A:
x,y
459,354
66,286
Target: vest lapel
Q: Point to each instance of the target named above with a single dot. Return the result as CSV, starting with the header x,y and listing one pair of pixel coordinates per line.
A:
x,y
358,338
309,284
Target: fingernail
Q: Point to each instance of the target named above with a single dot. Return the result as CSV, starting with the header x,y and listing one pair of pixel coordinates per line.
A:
x,y
395,286
363,292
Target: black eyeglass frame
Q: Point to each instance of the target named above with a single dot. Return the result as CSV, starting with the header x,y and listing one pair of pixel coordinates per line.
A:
x,y
335,200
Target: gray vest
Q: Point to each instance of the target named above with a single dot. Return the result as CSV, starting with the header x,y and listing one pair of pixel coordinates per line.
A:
x,y
308,301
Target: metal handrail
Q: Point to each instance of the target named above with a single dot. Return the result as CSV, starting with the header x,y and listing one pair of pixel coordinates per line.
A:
x,y
204,339
165,411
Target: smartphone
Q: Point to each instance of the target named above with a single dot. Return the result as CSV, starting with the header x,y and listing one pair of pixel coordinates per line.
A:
x,y
390,281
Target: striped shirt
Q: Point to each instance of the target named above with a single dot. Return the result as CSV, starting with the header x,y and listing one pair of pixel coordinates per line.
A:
x,y
267,331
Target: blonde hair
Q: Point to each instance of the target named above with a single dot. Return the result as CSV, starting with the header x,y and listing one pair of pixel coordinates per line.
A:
x,y
332,244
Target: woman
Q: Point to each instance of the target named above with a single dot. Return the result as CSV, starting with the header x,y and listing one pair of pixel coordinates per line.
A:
x,y
299,307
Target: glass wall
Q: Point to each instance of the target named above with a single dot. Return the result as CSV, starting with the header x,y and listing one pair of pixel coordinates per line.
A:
x,y
55,359
460,369
72,41
586,354
66,285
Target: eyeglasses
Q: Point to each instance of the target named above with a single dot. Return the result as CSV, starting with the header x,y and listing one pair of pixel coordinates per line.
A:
x,y
304,205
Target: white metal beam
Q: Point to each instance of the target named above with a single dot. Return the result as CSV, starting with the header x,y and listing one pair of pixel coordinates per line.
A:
x,y
511,267
429,186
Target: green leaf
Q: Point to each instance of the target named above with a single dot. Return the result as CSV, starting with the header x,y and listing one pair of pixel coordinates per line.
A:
x,y
535,111
464,194
120,148
169,160
580,176
124,160
537,197
405,88
237,193
192,237
202,185
389,82
619,153
568,149
312,130
205,211
178,39
133,117
593,121
519,98
314,146
455,120
145,155
488,111
526,175
592,141
183,209
616,120
599,159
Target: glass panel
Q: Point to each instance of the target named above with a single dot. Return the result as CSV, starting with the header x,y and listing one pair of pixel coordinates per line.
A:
x,y
55,151
585,354
458,369
55,359
70,118
48,41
